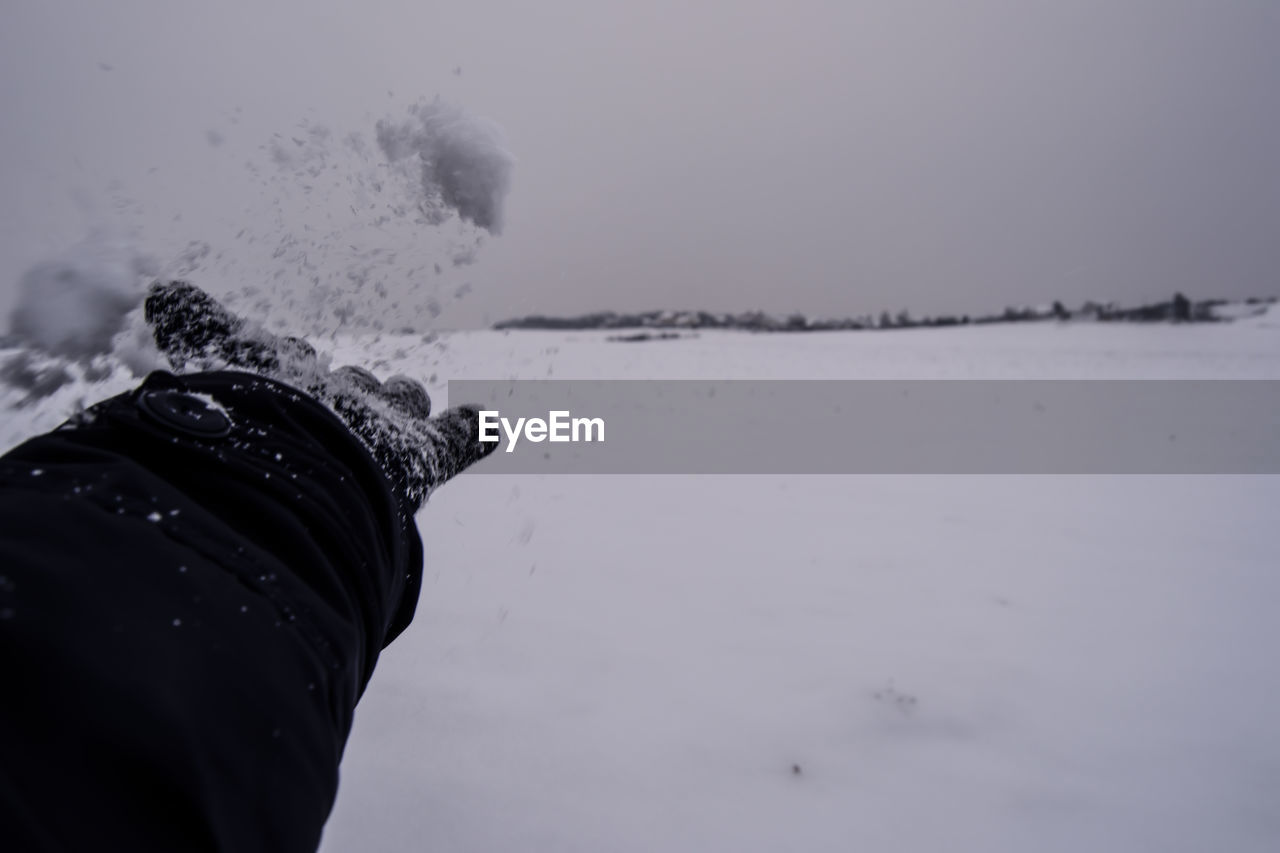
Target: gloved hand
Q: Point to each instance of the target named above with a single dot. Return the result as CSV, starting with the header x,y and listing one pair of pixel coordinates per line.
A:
x,y
416,451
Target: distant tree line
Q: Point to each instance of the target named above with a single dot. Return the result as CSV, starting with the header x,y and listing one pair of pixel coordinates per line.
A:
x,y
1178,309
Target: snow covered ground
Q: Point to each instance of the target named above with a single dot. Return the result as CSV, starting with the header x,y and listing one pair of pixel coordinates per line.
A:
x,y
638,663
834,663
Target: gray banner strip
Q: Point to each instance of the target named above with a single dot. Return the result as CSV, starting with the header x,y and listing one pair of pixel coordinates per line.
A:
x,y
882,427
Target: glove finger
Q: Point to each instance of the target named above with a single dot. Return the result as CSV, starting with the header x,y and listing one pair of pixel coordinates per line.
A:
x,y
186,321
455,442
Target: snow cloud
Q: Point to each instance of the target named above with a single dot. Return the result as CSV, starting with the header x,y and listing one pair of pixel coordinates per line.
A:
x,y
74,304
460,162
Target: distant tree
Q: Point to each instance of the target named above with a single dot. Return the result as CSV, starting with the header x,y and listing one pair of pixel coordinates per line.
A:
x,y
886,322
1060,311
1181,308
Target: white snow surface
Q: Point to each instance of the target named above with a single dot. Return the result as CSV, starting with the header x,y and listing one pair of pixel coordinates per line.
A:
x,y
642,663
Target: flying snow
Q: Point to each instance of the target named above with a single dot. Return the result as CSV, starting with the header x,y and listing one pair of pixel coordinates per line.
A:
x,y
458,159
339,243
74,304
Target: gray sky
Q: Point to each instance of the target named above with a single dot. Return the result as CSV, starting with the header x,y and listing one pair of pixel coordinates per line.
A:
x,y
826,157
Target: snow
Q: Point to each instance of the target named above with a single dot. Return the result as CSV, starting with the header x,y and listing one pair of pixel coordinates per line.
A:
x,y
317,227
459,162
639,663
833,663
73,305
646,671
1242,310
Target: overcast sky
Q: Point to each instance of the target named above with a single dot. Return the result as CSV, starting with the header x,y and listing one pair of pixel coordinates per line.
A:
x,y
826,157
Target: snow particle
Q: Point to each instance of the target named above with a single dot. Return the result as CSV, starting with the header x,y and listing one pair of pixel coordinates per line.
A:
x,y
177,623
36,472
154,517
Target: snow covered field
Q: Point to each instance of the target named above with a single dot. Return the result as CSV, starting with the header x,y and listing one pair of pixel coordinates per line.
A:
x,y
834,663
825,663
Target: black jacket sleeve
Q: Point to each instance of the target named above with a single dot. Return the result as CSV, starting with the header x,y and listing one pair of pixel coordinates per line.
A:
x,y
196,579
